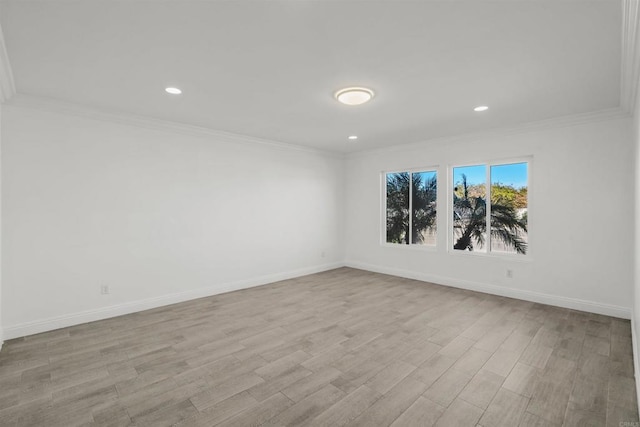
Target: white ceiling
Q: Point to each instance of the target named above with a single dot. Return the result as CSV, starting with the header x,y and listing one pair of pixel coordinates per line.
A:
x,y
269,69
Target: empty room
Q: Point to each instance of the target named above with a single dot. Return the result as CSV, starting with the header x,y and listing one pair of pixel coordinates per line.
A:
x,y
319,213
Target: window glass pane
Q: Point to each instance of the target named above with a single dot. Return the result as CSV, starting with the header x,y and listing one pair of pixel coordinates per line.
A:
x,y
509,205
469,208
423,216
398,207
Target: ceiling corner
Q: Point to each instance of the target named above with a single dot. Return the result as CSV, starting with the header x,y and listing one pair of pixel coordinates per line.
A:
x,y
630,67
7,86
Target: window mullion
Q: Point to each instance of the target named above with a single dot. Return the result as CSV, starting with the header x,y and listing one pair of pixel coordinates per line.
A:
x,y
410,237
488,206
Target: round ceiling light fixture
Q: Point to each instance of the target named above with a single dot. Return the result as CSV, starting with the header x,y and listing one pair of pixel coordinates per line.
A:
x,y
354,95
481,108
173,90
353,137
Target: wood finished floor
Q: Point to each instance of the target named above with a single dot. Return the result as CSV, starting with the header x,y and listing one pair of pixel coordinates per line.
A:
x,y
344,347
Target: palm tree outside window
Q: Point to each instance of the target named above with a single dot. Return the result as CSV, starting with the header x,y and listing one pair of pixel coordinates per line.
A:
x,y
499,226
411,207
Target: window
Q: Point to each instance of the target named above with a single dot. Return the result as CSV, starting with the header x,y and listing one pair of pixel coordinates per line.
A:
x,y
499,226
411,208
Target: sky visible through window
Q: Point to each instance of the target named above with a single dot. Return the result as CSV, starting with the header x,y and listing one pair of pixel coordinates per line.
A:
x,y
424,176
514,175
475,174
507,232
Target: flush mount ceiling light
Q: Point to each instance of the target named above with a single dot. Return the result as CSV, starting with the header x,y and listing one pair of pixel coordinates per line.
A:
x,y
173,90
354,95
481,108
353,137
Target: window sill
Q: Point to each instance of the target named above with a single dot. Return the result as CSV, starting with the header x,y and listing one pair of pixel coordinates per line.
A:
x,y
427,248
497,256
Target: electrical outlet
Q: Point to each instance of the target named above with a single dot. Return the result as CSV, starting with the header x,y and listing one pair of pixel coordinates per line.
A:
x,y
104,289
509,274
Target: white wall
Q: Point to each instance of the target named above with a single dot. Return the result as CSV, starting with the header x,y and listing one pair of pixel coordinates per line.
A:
x,y
581,216
161,217
1,327
157,216
635,321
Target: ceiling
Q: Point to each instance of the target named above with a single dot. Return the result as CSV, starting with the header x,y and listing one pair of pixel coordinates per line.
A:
x,y
269,69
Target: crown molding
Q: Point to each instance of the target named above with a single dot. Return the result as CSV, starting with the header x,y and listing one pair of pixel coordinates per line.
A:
x,y
52,105
630,61
7,86
537,126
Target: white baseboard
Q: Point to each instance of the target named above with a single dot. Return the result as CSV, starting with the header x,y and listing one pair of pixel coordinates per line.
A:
x,y
636,364
555,300
44,325
49,324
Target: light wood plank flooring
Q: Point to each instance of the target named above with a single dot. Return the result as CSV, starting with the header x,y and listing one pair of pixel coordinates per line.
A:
x,y
344,347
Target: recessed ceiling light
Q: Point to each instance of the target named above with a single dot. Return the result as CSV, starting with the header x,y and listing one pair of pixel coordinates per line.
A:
x,y
353,137
481,108
354,95
173,90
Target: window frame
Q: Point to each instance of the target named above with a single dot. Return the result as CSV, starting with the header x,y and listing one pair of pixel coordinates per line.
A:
x,y
528,159
383,210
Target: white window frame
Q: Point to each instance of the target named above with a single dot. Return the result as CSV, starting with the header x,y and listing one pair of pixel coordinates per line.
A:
x,y
489,164
383,210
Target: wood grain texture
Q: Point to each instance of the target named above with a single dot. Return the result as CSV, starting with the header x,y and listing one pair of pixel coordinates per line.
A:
x,y
344,347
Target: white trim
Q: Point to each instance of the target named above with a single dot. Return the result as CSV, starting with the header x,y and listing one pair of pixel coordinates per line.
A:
x,y
487,208
49,324
56,106
7,85
44,325
538,297
630,61
630,74
636,363
383,206
52,105
412,247
410,210
499,132
488,164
